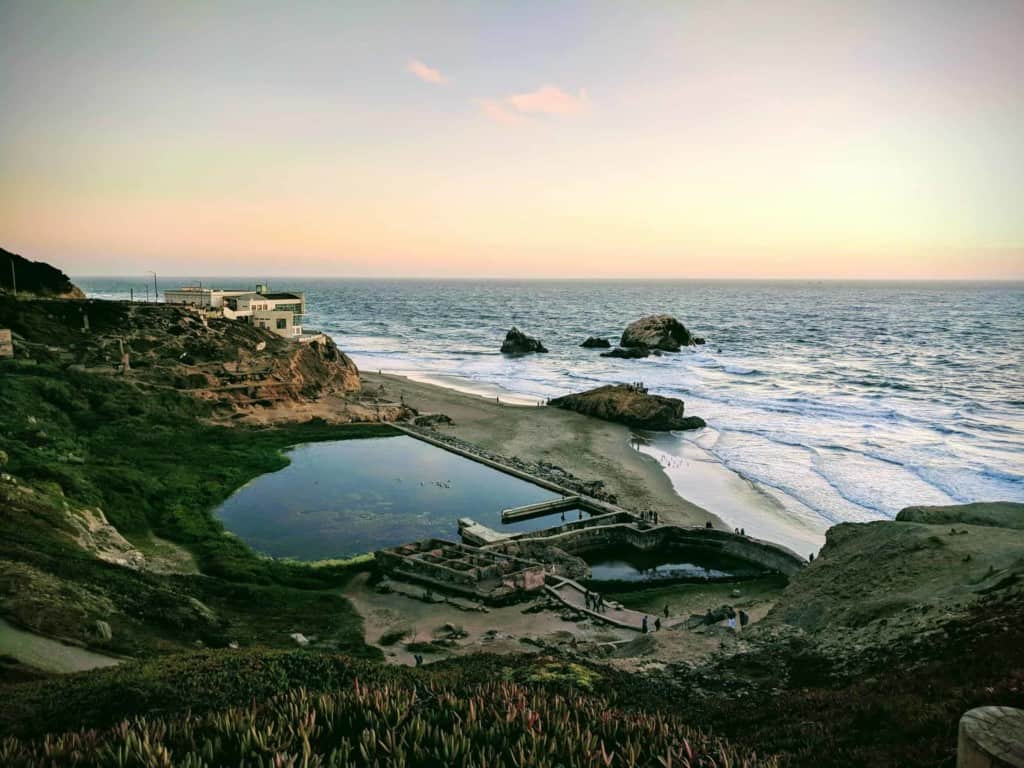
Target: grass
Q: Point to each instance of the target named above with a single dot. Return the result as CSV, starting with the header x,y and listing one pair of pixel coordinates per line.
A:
x,y
299,708
153,464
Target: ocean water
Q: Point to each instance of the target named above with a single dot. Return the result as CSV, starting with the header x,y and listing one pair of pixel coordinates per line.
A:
x,y
836,401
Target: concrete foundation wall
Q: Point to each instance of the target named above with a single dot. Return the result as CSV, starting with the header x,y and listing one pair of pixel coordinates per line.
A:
x,y
581,539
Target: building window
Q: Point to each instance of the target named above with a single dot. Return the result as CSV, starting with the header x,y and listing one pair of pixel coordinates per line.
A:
x,y
282,323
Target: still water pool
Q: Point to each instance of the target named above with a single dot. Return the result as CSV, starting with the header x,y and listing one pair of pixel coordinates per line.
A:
x,y
344,498
629,564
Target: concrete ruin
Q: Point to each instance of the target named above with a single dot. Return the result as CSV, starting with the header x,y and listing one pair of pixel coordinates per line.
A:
x,y
492,577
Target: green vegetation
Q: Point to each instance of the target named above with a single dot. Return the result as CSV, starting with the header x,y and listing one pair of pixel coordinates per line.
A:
x,y
249,710
154,465
151,463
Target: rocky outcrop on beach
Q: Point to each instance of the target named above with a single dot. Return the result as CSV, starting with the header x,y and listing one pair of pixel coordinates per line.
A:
x,y
595,342
518,343
657,332
35,279
631,405
633,353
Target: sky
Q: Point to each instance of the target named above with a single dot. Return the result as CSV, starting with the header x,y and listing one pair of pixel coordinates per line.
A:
x,y
774,139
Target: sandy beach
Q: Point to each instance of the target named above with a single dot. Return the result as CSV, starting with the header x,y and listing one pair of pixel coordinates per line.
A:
x,y
589,448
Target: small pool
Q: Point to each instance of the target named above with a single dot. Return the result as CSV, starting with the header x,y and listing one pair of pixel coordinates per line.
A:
x,y
630,564
343,498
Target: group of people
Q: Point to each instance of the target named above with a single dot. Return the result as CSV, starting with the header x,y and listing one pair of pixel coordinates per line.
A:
x,y
594,601
649,516
740,531
638,387
657,623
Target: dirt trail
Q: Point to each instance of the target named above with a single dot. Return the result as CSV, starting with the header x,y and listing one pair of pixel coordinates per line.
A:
x,y
46,654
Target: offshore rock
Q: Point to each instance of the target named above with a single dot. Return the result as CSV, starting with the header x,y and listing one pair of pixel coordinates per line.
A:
x,y
518,343
594,342
630,405
632,353
657,332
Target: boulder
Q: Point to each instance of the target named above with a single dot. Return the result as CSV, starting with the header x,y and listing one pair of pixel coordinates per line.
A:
x,y
630,405
518,343
657,332
103,631
629,354
433,420
594,342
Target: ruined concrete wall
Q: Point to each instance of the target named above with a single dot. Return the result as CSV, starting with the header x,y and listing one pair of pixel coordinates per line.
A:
x,y
765,554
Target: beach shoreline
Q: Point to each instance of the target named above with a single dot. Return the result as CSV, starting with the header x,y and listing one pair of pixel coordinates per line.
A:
x,y
589,448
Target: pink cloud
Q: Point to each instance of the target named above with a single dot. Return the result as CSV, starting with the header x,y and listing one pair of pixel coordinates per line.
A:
x,y
546,100
425,73
549,100
500,113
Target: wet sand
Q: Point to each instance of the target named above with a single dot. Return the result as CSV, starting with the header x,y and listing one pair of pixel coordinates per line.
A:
x,y
589,448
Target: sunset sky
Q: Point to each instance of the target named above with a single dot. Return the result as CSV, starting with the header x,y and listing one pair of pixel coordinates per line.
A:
x,y
523,139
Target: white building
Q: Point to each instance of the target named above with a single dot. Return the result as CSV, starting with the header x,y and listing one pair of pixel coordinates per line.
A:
x,y
197,296
279,312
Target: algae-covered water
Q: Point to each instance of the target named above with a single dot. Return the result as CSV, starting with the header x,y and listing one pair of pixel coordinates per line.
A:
x,y
338,499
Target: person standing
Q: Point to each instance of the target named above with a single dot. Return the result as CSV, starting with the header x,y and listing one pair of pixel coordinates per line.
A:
x,y
643,625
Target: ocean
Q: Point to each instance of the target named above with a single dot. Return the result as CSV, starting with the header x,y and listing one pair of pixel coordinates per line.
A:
x,y
835,401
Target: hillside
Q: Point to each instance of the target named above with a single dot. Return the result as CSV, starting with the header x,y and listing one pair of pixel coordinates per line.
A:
x,y
108,478
34,278
313,709
233,365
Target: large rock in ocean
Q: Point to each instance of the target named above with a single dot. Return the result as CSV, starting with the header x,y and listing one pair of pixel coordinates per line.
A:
x,y
595,342
626,404
657,332
629,354
518,343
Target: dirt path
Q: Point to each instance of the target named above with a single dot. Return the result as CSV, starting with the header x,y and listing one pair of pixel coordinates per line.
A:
x,y
46,654
499,630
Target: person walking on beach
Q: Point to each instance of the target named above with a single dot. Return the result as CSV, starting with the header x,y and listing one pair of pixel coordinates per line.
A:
x,y
657,624
643,625
666,610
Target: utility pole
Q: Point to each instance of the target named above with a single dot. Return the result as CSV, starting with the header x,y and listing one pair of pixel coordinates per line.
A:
x,y
156,293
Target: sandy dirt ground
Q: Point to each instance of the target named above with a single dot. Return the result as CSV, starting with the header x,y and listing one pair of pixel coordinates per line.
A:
x,y
589,448
509,630
48,654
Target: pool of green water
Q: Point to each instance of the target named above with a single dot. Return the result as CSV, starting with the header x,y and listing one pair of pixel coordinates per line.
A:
x,y
338,499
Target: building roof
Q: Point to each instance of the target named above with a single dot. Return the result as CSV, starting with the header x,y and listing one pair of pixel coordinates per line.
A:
x,y
281,296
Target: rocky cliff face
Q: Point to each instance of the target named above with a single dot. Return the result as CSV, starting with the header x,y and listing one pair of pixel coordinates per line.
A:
x,y
228,362
657,332
35,278
629,405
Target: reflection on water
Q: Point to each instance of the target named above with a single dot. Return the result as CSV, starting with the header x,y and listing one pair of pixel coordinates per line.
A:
x,y
630,564
347,497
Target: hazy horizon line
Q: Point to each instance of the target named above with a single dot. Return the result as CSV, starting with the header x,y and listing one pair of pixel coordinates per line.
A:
x,y
268,278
